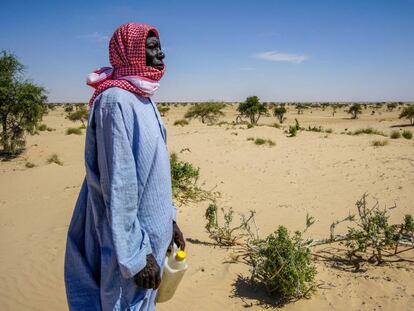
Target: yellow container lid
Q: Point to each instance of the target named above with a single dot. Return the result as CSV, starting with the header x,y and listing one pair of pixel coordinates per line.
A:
x,y
180,256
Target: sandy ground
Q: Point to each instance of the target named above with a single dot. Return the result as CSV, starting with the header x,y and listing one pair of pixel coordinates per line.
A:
x,y
316,173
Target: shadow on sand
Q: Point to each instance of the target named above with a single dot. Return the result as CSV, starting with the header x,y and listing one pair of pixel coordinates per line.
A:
x,y
253,294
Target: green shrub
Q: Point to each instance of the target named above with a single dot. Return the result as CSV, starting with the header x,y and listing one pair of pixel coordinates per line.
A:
x,y
407,134
259,141
249,126
270,142
329,131
250,138
379,143
282,263
49,129
181,122
30,165
184,177
395,134
54,158
73,130
42,127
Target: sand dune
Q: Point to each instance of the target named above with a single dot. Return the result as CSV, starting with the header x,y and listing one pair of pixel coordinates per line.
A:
x,y
316,173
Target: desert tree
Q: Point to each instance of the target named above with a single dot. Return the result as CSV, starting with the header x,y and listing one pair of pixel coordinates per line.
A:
x,y
279,113
252,108
22,104
209,111
355,110
408,113
391,106
80,114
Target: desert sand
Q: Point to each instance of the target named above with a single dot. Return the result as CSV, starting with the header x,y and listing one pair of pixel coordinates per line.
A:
x,y
316,173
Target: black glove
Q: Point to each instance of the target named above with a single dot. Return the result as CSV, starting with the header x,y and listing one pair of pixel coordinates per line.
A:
x,y
177,237
149,277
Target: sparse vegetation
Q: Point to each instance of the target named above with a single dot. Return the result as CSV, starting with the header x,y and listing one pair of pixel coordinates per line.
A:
x,y
261,141
74,130
369,131
395,134
30,165
181,122
54,158
379,143
371,238
407,134
226,234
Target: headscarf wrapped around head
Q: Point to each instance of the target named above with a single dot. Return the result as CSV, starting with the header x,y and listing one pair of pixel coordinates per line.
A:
x,y
128,59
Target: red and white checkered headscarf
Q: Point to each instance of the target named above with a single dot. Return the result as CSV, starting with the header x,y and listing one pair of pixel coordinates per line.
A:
x,y
128,59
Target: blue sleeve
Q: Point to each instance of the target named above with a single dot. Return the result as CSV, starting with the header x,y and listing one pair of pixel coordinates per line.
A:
x,y
119,185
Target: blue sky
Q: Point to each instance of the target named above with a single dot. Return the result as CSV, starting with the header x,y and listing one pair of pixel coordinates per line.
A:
x,y
226,50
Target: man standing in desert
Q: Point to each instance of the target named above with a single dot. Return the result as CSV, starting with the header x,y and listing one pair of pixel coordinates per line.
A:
x,y
124,218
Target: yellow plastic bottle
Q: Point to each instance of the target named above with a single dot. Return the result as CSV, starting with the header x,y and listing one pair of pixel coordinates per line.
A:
x,y
175,266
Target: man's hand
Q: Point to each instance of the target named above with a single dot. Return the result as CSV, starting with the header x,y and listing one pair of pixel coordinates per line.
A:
x,y
149,277
177,237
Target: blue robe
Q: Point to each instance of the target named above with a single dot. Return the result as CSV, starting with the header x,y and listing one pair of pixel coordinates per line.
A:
x,y
124,210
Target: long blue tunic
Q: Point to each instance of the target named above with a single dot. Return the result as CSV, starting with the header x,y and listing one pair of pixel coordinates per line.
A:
x,y
124,210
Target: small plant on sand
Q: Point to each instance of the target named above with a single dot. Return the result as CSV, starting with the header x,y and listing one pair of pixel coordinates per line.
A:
x,y
54,158
379,143
42,127
250,138
355,110
282,263
259,141
30,165
279,113
209,111
293,129
407,134
184,178
226,233
181,122
74,130
369,131
395,135
408,113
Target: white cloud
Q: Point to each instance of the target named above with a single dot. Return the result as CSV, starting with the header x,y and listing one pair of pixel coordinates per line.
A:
x,y
275,56
95,37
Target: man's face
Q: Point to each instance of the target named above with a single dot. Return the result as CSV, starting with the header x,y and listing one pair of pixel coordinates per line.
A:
x,y
154,55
